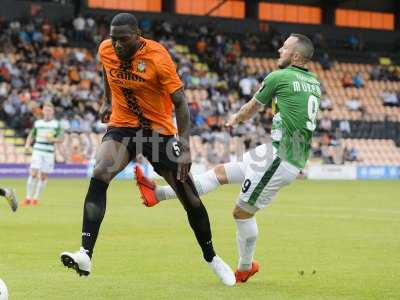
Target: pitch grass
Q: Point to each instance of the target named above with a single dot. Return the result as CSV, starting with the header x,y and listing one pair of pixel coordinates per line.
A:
x,y
348,232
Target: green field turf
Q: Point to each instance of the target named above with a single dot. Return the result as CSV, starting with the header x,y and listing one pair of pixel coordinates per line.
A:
x,y
348,232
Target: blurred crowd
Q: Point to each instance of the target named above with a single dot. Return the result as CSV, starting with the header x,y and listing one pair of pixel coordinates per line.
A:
x,y
39,62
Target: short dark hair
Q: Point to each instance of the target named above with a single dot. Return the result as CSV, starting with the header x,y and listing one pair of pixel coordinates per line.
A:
x,y
124,19
48,104
304,45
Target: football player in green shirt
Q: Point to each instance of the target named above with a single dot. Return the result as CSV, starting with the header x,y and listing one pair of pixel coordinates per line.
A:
x,y
294,93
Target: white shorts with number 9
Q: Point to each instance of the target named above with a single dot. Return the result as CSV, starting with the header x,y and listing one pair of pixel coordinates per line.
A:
x,y
264,175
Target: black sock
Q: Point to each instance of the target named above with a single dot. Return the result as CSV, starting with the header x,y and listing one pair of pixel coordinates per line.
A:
x,y
93,213
198,220
2,192
196,212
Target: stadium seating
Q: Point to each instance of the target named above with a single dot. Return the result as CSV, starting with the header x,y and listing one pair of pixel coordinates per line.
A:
x,y
202,82
374,151
11,146
331,79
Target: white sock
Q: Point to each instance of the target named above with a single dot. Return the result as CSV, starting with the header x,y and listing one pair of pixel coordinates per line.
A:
x,y
165,192
31,187
41,185
204,184
247,232
235,172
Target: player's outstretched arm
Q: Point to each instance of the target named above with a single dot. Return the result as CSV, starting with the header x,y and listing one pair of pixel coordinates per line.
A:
x,y
245,113
183,122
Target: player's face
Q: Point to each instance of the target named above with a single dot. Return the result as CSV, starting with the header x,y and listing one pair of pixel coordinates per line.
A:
x,y
48,113
124,41
286,52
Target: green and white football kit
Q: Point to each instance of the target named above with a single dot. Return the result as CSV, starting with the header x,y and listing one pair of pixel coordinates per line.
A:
x,y
296,94
43,153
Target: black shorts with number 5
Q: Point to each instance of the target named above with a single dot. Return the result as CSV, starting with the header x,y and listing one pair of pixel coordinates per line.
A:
x,y
162,151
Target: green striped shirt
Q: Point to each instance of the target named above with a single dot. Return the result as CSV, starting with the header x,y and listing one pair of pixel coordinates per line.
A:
x,y
44,132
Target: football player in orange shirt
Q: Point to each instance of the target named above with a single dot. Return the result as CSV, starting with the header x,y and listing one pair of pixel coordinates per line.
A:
x,y
141,89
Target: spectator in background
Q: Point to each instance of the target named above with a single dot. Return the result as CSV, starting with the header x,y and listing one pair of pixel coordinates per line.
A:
x,y
79,28
375,73
201,46
355,43
252,43
89,28
327,154
358,80
352,41
398,97
325,62
326,103
354,104
350,155
319,40
347,80
247,85
325,125
395,73
344,127
145,26
390,98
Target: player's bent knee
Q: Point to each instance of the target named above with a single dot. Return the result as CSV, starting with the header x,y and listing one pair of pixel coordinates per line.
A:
x,y
101,173
239,213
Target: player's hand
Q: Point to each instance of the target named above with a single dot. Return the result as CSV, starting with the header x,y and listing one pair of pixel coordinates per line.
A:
x,y
27,150
184,163
232,121
105,112
51,138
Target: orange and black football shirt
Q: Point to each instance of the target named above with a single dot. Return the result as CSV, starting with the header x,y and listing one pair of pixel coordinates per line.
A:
x,y
141,87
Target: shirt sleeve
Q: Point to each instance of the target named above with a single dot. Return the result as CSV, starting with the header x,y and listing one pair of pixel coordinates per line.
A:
x,y
266,92
100,51
34,130
58,130
167,74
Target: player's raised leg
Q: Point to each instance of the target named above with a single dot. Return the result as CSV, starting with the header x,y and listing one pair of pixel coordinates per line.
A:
x,y
10,196
111,158
221,174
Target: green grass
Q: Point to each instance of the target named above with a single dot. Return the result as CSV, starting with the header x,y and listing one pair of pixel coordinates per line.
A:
x,y
349,232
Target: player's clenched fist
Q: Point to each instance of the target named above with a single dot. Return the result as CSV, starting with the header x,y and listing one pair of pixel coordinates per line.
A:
x,y
184,163
105,112
232,121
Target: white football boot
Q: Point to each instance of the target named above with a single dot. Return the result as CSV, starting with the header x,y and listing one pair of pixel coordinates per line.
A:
x,y
223,271
11,198
78,260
